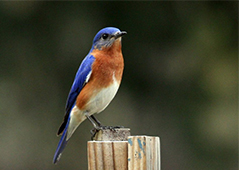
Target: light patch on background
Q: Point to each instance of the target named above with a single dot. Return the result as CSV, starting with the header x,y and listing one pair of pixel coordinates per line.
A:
x,y
19,9
218,125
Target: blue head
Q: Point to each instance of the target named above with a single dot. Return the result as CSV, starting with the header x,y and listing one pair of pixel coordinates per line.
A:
x,y
106,37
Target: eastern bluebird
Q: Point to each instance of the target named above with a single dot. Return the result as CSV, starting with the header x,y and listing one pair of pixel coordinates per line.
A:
x,y
95,85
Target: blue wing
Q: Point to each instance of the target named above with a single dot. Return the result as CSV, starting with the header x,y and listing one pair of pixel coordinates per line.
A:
x,y
79,82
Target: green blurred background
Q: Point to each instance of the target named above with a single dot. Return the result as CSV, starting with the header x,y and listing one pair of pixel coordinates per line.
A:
x,y
180,80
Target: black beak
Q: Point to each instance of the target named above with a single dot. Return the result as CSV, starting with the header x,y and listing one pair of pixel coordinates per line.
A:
x,y
120,34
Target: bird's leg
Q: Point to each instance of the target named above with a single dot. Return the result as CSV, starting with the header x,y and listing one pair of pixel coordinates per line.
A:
x,y
92,120
96,121
104,127
98,126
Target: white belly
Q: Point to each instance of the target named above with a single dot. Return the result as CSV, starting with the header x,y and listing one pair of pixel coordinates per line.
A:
x,y
102,99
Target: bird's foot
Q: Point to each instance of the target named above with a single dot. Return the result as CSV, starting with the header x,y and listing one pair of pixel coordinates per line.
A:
x,y
93,132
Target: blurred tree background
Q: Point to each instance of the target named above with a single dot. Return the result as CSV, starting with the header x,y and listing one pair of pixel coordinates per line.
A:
x,y
180,80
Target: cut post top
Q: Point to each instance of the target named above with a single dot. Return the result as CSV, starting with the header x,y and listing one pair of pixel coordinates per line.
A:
x,y
115,134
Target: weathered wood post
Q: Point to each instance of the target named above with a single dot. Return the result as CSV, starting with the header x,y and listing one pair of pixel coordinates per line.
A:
x,y
109,150
143,153
117,150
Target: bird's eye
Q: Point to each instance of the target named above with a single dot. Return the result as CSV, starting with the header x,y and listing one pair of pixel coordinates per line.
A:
x,y
105,36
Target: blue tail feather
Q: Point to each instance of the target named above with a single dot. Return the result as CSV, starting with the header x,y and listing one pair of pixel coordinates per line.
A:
x,y
62,144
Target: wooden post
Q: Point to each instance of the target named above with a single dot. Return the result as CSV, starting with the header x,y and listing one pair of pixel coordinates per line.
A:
x,y
143,153
116,150
110,151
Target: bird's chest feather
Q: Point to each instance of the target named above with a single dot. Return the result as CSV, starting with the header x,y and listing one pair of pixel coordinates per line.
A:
x,y
107,64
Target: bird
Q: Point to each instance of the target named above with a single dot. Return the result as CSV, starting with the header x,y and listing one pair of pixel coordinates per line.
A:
x,y
95,85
